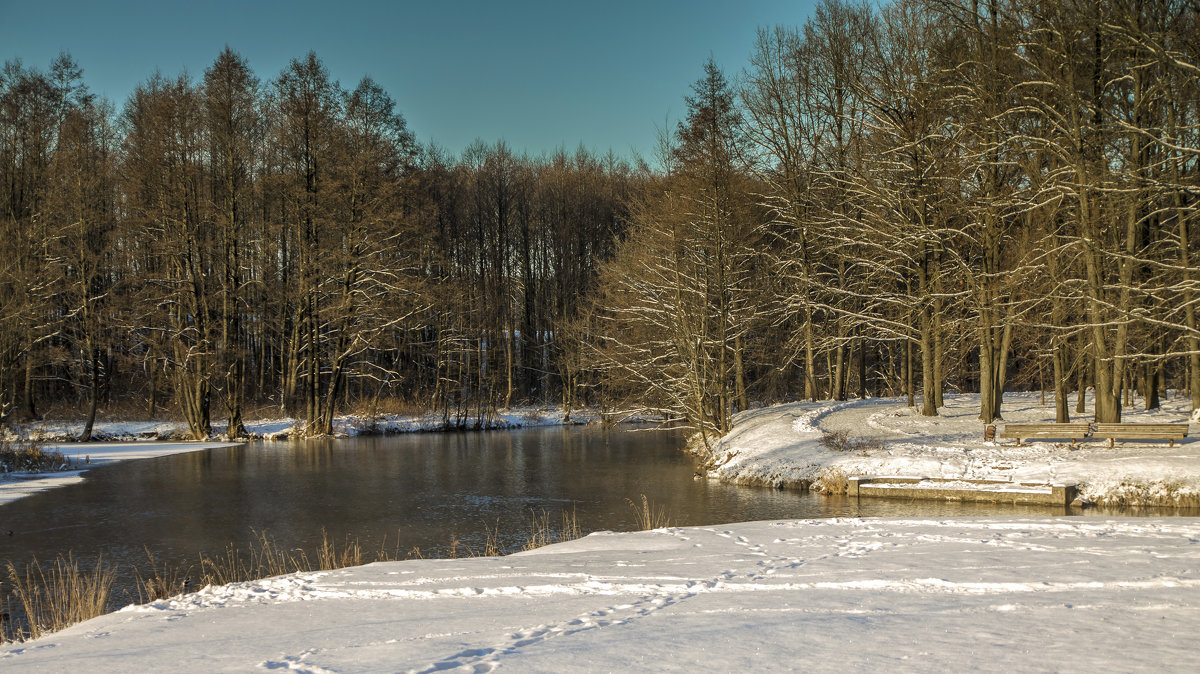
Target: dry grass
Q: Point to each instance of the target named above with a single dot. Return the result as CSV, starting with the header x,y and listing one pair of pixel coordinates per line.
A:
x,y
833,481
1143,493
29,456
40,601
267,558
649,516
56,597
376,408
841,441
532,416
543,533
162,582
491,542
384,554
329,557
539,531
570,529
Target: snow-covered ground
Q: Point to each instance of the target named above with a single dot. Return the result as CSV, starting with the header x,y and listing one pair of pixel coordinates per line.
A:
x,y
1068,594
282,428
1065,594
781,446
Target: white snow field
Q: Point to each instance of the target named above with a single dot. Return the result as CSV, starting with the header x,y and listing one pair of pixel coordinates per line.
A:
x,y
1062,594
1055,594
781,446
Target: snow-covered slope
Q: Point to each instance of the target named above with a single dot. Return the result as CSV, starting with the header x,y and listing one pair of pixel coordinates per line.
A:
x,y
781,446
1073,595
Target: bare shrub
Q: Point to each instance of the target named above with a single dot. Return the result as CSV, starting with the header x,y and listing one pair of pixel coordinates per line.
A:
x,y
841,441
29,456
834,481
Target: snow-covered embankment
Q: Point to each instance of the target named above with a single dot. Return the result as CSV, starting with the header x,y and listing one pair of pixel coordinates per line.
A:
x,y
781,446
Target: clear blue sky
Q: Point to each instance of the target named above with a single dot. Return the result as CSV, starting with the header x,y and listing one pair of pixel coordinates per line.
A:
x,y
536,74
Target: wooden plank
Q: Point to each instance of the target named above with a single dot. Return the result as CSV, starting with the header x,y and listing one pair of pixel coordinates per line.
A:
x,y
1113,432
1072,431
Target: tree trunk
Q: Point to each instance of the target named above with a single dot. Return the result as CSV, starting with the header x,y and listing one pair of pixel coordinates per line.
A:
x,y
909,380
1151,375
739,374
812,389
93,395
839,387
1062,413
862,369
30,405
1081,387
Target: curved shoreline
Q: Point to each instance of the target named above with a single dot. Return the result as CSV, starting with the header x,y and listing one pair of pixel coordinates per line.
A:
x,y
88,455
784,446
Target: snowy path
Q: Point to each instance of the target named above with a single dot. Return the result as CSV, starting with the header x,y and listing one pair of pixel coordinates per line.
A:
x,y
781,446
826,595
864,418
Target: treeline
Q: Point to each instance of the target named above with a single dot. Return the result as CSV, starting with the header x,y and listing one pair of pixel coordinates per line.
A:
x,y
927,195
226,243
907,199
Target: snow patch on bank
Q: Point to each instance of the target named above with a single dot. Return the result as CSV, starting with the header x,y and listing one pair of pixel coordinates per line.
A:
x,y
283,428
781,446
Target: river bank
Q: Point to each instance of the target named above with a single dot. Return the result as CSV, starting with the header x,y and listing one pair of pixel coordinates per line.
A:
x,y
1063,594
779,446
284,428
785,446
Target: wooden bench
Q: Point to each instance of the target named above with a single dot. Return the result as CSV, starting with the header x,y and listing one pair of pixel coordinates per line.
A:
x,y
1074,431
1116,432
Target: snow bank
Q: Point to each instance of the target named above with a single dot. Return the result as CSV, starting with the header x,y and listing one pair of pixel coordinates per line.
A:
x,y
1070,594
781,446
284,427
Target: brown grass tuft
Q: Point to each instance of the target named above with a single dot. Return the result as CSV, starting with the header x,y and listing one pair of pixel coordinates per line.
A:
x,y
29,456
649,516
58,597
542,533
833,481
162,582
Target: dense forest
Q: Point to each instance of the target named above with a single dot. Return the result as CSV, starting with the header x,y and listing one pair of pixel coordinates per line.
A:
x,y
923,197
